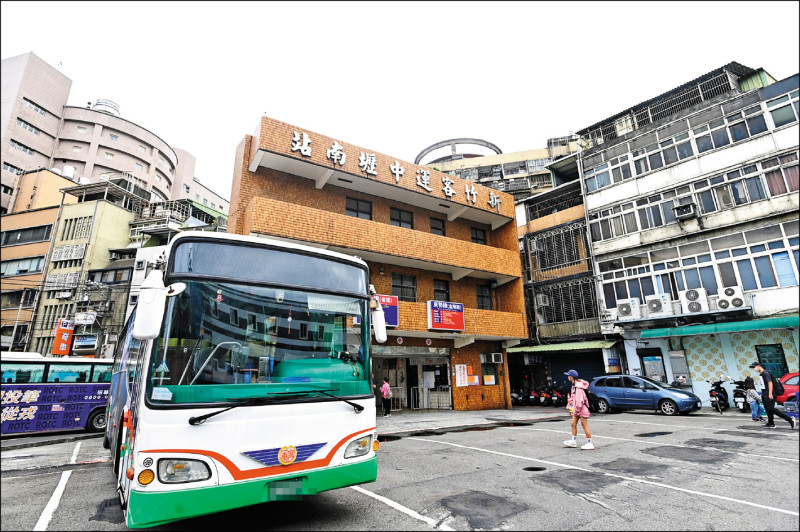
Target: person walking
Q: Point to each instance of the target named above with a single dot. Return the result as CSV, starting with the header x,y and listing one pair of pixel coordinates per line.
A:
x,y
768,396
753,398
578,406
386,392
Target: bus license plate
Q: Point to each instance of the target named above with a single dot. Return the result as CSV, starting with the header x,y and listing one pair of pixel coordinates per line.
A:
x,y
290,489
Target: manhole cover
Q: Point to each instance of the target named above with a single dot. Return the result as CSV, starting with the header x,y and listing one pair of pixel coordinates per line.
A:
x,y
533,468
651,434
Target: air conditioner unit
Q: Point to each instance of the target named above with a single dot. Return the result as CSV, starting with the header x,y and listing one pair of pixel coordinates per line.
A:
x,y
694,300
684,212
658,305
542,300
628,309
731,297
497,358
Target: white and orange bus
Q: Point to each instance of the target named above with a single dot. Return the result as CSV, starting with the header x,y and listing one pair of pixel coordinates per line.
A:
x,y
243,376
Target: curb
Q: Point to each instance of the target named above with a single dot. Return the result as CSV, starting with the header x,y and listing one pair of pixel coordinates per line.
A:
x,y
59,439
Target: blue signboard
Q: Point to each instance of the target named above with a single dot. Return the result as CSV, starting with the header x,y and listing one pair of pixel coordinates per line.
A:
x,y
35,407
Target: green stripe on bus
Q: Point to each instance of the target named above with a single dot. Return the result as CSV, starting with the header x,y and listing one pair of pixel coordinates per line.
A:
x,y
156,508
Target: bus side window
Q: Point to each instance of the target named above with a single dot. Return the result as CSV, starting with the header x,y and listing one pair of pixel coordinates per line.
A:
x,y
22,372
125,343
101,373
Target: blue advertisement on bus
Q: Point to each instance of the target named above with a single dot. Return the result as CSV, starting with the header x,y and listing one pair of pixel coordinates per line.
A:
x,y
35,407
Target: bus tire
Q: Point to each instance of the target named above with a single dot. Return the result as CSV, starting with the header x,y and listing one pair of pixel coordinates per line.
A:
x,y
96,421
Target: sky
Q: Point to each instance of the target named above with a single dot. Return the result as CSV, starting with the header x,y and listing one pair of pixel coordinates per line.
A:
x,y
391,77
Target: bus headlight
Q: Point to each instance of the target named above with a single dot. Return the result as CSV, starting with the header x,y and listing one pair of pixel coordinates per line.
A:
x,y
359,447
177,470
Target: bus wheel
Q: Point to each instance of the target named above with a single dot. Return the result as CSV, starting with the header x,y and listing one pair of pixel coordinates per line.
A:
x,y
97,421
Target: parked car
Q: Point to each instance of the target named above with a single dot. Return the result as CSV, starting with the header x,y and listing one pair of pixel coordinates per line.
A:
x,y
629,392
789,386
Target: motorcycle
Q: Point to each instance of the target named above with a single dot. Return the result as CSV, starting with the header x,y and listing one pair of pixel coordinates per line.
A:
x,y
520,398
534,397
718,396
545,399
740,396
559,395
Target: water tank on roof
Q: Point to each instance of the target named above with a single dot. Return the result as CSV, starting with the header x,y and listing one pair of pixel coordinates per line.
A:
x,y
106,106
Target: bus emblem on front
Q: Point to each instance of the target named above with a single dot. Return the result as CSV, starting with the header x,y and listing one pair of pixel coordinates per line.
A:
x,y
287,454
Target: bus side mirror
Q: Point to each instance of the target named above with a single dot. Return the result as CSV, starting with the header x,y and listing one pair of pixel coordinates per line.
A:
x,y
150,307
378,318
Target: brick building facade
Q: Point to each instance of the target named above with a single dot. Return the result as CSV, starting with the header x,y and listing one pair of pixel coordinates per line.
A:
x,y
425,235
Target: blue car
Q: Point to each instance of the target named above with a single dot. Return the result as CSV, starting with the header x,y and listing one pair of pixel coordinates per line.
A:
x,y
629,392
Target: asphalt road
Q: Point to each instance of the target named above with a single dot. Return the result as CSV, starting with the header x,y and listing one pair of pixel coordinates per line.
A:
x,y
648,472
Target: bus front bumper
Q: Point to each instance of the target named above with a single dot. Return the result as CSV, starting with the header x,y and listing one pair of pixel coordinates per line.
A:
x,y
146,509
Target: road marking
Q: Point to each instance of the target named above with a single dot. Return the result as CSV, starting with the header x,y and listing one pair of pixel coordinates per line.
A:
x,y
52,504
398,506
632,479
75,453
744,432
668,444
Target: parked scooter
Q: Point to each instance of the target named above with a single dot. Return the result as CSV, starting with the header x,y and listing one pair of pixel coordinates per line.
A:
x,y
740,396
559,395
545,399
534,397
718,396
520,398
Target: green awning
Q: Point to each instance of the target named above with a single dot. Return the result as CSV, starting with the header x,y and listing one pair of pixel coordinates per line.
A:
x,y
208,210
777,322
567,346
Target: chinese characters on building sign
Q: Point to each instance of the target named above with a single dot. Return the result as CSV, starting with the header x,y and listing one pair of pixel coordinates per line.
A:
x,y
368,163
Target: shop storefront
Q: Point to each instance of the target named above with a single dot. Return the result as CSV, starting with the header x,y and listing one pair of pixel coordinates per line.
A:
x,y
541,365
419,376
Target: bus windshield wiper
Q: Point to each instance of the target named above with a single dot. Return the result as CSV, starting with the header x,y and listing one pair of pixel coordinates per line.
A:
x,y
197,420
280,396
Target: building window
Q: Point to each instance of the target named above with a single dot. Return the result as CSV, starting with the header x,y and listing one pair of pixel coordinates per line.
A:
x,y
437,226
110,276
158,178
213,206
11,168
26,236
33,106
81,129
138,166
441,290
160,160
773,359
186,188
76,228
783,109
484,297
401,218
488,370
76,149
142,148
109,155
21,147
26,126
205,201
404,287
17,298
359,208
113,138
197,197
478,236
21,266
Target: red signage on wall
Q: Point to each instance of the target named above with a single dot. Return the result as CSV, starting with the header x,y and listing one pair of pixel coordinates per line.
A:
x,y
445,316
63,339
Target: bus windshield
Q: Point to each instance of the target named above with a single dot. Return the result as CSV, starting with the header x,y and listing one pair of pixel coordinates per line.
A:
x,y
227,342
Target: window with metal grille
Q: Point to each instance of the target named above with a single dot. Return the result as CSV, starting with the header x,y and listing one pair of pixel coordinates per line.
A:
x,y
27,235
568,301
483,295
441,290
478,236
437,226
404,287
358,208
401,218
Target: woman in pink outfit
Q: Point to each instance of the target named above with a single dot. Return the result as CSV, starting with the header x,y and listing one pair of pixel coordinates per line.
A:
x,y
578,405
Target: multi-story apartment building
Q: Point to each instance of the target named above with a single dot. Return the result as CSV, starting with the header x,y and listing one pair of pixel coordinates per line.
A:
x,y
560,293
33,97
520,174
27,231
692,203
187,186
87,144
435,244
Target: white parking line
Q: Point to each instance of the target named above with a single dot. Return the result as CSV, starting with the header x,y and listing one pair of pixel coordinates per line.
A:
x,y
660,424
398,506
714,449
632,479
52,504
